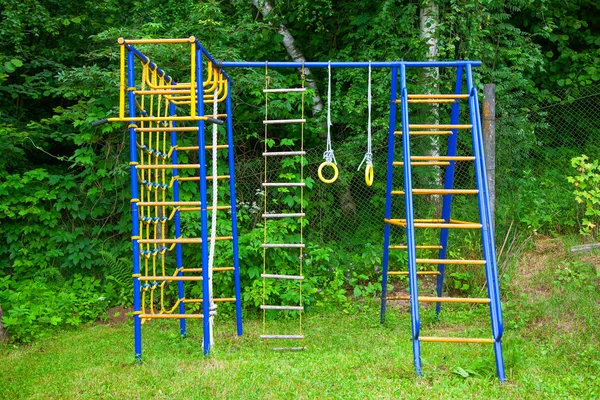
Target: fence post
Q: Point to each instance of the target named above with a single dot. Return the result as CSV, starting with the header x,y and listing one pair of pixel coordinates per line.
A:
x,y
489,142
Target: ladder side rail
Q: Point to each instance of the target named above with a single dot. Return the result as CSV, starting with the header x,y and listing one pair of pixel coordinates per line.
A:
x,y
410,229
135,224
388,191
199,110
177,223
487,240
448,184
234,231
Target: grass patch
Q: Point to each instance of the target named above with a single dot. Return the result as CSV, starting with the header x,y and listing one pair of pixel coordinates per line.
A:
x,y
551,346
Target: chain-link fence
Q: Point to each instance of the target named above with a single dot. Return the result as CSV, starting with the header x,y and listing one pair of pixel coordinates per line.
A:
x,y
535,141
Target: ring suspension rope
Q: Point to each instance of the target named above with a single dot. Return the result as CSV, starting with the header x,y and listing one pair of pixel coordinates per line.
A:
x,y
213,226
328,156
369,174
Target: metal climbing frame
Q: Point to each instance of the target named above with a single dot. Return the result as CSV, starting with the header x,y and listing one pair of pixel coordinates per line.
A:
x,y
162,113
445,223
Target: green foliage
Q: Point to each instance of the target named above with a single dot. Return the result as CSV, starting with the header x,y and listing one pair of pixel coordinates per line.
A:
x,y
587,192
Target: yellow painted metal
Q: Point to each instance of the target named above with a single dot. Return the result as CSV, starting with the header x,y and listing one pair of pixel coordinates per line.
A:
x,y
422,163
419,247
193,79
369,175
219,300
194,148
418,273
159,41
438,96
171,316
446,261
454,340
181,240
161,91
449,226
168,166
197,178
457,221
440,126
424,133
429,101
198,270
209,208
168,203
122,86
439,191
433,299
442,158
157,119
170,278
169,129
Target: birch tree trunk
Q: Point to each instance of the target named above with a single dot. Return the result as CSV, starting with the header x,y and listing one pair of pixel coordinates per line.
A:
x,y
428,21
288,42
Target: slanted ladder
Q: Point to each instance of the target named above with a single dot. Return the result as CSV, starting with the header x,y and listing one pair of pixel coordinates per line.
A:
x,y
445,223
272,272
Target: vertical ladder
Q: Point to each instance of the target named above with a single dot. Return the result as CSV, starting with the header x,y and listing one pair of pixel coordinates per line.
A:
x,y
445,223
270,271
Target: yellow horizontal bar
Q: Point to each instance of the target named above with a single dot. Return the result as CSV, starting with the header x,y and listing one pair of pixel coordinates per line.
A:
x,y
171,316
168,203
438,191
448,226
208,208
422,163
442,158
169,129
438,96
170,278
154,119
168,166
216,269
161,91
419,247
209,147
454,340
191,39
457,221
422,133
440,126
446,261
181,240
219,300
430,101
418,273
197,178
432,299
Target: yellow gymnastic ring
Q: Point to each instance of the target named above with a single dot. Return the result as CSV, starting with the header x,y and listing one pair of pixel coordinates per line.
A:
x,y
369,175
335,172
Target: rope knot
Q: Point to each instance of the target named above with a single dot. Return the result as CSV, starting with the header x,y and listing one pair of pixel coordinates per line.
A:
x,y
329,157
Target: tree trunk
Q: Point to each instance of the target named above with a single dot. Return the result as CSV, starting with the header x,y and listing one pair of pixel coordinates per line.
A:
x,y
288,42
428,21
3,333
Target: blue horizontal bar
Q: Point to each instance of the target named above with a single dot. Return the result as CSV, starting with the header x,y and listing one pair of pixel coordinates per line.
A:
x,y
346,64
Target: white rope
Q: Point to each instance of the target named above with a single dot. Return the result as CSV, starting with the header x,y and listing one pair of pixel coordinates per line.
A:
x,y
213,227
368,155
328,155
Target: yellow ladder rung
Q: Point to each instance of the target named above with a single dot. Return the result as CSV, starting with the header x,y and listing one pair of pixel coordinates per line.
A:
x,y
431,101
419,247
424,133
438,96
208,147
437,261
197,178
418,273
207,208
199,270
438,191
180,240
442,158
171,316
168,166
448,226
433,299
424,163
168,129
440,126
219,300
170,278
454,340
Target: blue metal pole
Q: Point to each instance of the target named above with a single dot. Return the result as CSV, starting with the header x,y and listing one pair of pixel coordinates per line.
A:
x,y
234,232
177,221
388,192
203,204
410,227
345,64
135,222
448,184
486,230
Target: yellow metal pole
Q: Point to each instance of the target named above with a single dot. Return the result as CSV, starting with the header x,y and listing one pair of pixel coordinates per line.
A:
x,y
122,87
193,78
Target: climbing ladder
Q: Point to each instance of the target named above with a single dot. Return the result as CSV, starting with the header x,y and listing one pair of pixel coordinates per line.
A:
x,y
412,224
162,112
270,272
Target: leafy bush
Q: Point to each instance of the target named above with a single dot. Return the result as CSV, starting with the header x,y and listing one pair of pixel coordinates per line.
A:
x,y
587,192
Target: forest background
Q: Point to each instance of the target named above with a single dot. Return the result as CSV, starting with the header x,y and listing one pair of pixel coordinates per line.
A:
x,y
64,185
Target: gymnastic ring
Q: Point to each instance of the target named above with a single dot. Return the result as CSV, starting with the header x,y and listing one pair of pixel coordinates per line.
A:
x,y
335,172
369,175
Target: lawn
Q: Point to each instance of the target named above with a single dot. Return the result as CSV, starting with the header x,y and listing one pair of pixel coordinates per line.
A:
x,y
551,346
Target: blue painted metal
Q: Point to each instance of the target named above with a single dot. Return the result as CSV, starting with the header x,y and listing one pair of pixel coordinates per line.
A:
x,y
448,184
388,192
486,231
203,204
410,228
152,66
177,223
135,222
346,64
215,63
234,231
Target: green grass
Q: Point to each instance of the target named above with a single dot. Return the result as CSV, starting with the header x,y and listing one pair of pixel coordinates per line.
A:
x,y
551,347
